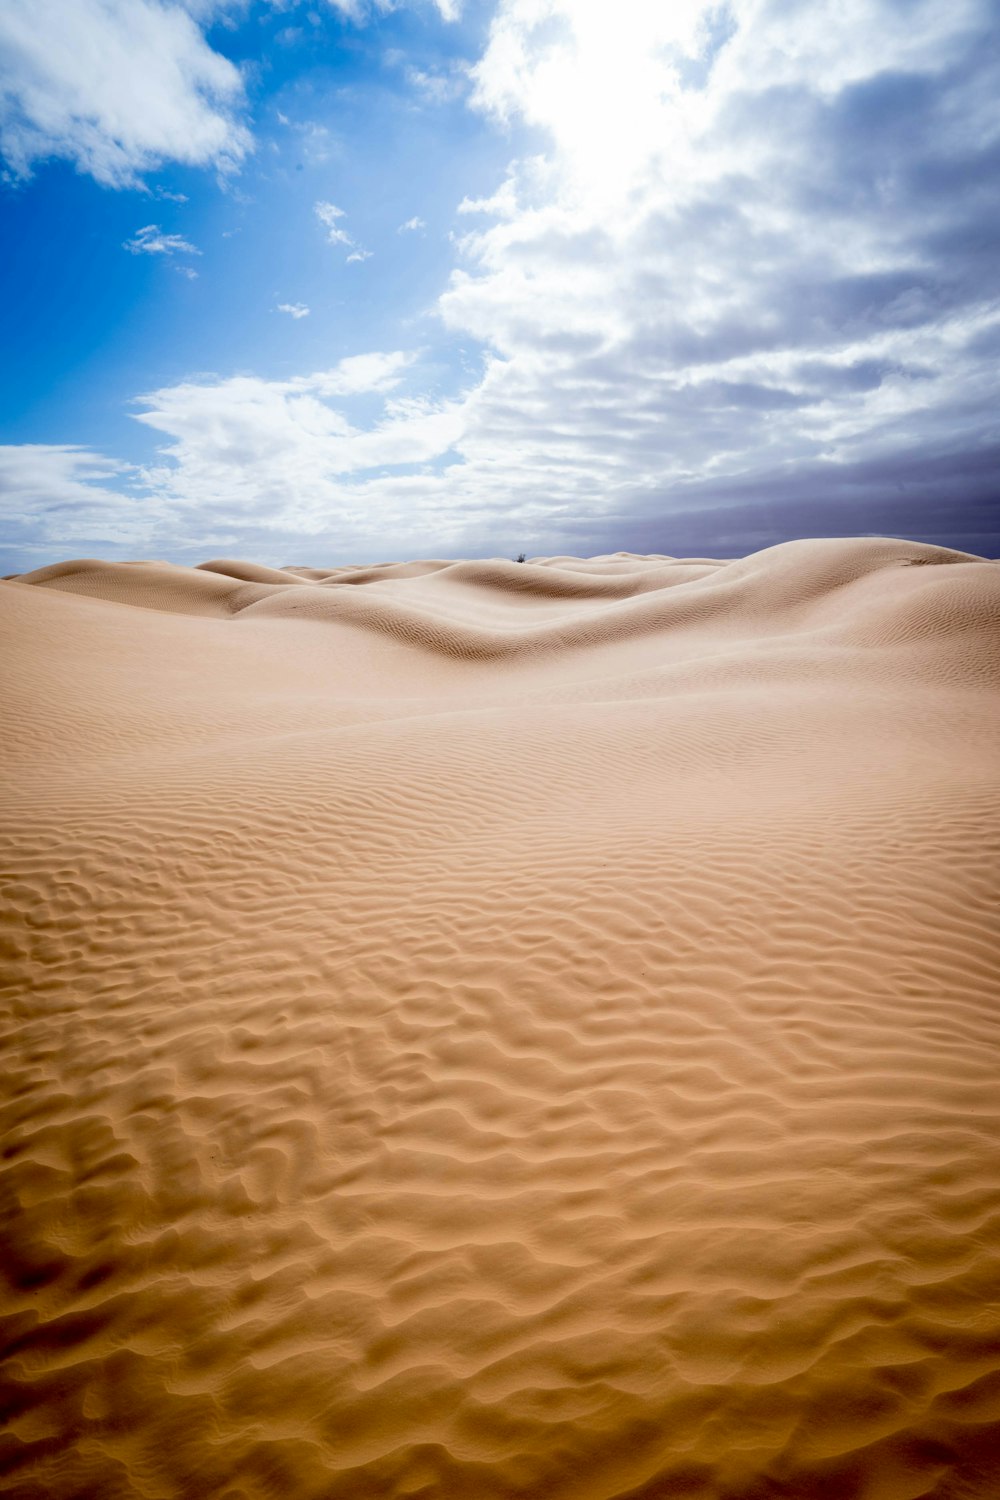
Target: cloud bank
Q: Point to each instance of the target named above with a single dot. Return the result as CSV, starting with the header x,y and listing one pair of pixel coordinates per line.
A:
x,y
744,286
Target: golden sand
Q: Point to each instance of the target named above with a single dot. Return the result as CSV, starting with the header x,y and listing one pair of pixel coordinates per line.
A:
x,y
485,1030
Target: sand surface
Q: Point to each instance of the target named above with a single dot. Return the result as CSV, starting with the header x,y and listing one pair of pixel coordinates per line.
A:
x,y
487,1030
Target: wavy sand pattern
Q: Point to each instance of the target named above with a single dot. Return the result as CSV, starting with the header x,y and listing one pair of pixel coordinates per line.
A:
x,y
482,1030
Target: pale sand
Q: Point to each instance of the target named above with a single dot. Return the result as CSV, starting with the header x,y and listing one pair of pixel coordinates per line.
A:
x,y
487,1030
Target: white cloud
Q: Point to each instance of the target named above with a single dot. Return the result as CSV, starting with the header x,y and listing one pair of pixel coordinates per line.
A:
x,y
58,493
285,454
242,452
150,240
116,87
358,374
415,223
328,214
501,204
294,309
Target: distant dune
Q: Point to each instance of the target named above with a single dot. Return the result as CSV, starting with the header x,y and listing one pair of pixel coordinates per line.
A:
x,y
480,1029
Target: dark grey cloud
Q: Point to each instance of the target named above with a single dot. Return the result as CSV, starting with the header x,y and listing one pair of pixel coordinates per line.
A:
x,y
985,343
951,499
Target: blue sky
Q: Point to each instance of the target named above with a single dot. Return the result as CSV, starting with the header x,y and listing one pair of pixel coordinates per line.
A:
x,y
353,280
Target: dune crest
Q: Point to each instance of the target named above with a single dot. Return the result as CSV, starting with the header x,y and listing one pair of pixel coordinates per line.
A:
x,y
479,1029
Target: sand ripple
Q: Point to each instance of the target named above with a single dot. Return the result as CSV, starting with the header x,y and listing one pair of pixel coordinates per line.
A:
x,y
489,1030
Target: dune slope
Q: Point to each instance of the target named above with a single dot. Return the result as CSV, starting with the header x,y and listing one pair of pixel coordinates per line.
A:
x,y
486,1030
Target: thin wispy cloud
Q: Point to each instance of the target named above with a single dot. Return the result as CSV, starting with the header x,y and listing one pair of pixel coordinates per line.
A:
x,y
438,86
362,11
151,240
315,143
415,223
329,215
294,310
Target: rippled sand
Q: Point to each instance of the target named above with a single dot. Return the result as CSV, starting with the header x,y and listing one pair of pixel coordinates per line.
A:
x,y
482,1030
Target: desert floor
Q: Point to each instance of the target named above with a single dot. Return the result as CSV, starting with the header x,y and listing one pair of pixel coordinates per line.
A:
x,y
486,1030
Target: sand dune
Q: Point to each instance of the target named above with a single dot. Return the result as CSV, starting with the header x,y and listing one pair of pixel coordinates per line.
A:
x,y
503,1030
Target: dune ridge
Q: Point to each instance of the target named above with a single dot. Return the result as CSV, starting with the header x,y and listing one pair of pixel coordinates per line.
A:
x,y
479,1029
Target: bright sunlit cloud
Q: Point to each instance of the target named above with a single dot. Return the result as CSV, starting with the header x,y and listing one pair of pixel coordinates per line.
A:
x,y
607,82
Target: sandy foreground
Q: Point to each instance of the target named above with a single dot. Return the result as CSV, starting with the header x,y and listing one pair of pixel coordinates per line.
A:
x,y
485,1030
